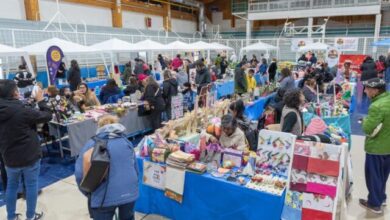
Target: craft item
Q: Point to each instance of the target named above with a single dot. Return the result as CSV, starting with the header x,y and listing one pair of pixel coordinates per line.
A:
x,y
174,183
223,170
249,170
159,155
241,180
197,167
318,95
234,156
275,151
267,183
154,175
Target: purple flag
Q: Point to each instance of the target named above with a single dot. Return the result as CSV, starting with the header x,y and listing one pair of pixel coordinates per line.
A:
x,y
54,57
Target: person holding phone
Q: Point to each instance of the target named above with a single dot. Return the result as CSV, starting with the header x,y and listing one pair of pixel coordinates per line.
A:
x,y
377,128
20,146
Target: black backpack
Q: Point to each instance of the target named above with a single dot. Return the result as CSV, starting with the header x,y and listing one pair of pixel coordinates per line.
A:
x,y
251,134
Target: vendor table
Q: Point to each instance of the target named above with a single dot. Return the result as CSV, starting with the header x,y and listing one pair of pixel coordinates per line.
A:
x,y
80,132
343,122
254,110
206,197
225,88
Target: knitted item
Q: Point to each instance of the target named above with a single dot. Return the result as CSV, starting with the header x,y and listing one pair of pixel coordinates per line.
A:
x,y
316,126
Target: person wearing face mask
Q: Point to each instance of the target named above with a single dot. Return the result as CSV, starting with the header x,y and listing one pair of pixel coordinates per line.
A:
x,y
292,120
376,126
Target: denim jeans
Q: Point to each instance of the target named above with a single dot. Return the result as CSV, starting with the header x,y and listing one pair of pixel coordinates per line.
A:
x,y
31,174
126,212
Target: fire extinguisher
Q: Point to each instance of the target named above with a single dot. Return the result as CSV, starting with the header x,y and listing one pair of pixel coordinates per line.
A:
x,y
148,22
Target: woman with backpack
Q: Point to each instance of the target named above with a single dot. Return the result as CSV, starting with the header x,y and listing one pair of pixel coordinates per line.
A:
x,y
119,190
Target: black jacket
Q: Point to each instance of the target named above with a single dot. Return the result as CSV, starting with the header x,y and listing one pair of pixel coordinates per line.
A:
x,y
272,68
169,90
131,89
19,143
24,79
74,78
154,98
202,78
368,69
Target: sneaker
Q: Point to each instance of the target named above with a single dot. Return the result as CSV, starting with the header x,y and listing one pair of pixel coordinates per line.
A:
x,y
38,216
18,216
364,204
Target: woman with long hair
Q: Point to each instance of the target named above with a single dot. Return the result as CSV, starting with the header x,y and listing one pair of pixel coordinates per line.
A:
x,y
292,119
74,75
153,101
287,81
87,95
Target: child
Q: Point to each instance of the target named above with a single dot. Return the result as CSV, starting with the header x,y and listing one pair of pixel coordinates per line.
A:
x,y
188,97
251,81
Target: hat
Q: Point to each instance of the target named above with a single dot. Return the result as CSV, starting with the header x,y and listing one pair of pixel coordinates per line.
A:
x,y
316,126
141,77
374,83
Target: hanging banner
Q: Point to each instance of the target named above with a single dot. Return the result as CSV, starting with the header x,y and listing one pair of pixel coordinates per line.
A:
x,y
346,43
54,57
297,43
332,56
177,110
356,60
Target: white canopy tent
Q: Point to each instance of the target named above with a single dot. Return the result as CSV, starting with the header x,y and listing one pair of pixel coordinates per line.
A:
x,y
178,45
201,45
67,47
115,45
149,45
7,51
222,47
318,46
259,46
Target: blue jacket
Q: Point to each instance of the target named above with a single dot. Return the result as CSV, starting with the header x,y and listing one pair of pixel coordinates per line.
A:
x,y
123,173
106,93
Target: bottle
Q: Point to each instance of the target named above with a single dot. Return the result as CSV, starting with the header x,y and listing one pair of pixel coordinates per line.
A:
x,y
97,90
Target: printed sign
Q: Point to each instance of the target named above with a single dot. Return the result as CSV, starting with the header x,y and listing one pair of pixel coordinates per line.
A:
x,y
346,43
54,57
297,43
177,106
356,60
332,56
154,175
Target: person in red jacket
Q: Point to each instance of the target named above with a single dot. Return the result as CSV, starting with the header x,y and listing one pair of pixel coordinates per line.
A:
x,y
177,62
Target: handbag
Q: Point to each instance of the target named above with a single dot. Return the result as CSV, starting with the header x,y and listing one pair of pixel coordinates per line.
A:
x,y
96,163
145,109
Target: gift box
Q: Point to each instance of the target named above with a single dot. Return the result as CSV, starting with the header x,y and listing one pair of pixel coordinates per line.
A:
x,y
234,156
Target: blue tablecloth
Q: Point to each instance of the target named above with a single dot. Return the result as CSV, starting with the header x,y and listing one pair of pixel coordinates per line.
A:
x,y
254,111
225,88
206,197
343,121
